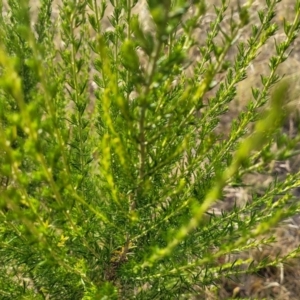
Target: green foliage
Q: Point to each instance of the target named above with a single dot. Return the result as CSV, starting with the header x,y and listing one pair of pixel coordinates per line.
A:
x,y
110,158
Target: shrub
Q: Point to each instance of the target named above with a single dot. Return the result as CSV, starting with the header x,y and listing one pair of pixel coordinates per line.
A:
x,y
112,156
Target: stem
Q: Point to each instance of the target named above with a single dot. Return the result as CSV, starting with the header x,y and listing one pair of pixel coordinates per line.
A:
x,y
142,136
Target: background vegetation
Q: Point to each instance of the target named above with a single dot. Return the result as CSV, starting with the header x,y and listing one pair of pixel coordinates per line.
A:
x,y
129,131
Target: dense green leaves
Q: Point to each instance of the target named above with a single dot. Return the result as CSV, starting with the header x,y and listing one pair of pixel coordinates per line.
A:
x,y
111,155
